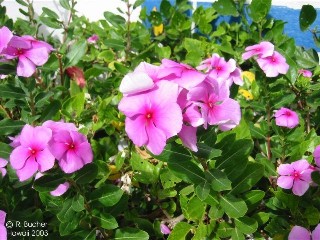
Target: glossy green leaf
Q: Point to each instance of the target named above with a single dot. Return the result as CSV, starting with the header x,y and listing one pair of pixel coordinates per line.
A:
x,y
76,53
259,9
233,207
104,220
180,231
203,190
224,230
86,174
308,15
78,203
130,234
47,183
246,225
236,234
5,150
74,105
51,110
50,13
50,22
218,179
144,171
65,4
9,91
226,7
108,195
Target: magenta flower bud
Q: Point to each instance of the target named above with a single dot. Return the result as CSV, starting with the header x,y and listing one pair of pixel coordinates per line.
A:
x,y
164,229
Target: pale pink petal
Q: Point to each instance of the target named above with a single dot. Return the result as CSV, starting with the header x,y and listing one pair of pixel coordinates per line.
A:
x,y
168,119
316,155
285,169
151,70
19,43
71,163
133,105
5,37
58,149
263,49
166,93
300,165
136,82
285,182
164,229
26,135
19,156
2,217
84,151
3,162
156,139
306,175
316,233
30,168
3,232
61,189
136,130
190,78
3,171
305,73
188,136
25,67
299,233
300,187
45,160
40,138
193,116
38,56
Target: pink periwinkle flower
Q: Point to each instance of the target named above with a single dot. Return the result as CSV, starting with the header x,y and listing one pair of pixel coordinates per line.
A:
x,y
192,119
286,118
216,106
32,154
3,164
58,126
301,233
164,229
136,82
61,189
71,149
316,155
273,65
5,37
262,50
35,43
3,229
28,56
182,74
153,117
305,73
15,141
296,175
93,39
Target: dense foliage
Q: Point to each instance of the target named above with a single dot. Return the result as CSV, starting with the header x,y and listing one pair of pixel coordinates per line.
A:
x,y
229,149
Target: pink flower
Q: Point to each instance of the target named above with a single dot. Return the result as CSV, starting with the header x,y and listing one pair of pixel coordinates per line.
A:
x,y
93,39
15,141
3,229
3,164
29,57
300,233
164,229
153,117
5,37
316,155
286,118
71,149
305,73
32,154
58,126
60,190
296,175
273,65
262,50
136,82
216,106
182,74
37,43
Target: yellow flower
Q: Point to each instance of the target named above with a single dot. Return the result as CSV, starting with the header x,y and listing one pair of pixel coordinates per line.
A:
x,y
157,30
248,95
249,75
114,173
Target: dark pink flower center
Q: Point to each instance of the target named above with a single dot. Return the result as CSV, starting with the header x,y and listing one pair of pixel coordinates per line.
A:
x,y
296,175
287,113
273,59
20,51
149,115
210,104
71,146
33,152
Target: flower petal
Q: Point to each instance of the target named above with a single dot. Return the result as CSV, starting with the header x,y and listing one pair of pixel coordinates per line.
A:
x,y
300,165
156,139
45,160
71,163
28,170
300,187
25,67
188,136
285,182
85,152
61,189
285,169
19,156
316,233
136,130
299,233
38,56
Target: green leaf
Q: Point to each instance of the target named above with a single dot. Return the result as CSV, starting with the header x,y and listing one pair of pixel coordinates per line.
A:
x,y
289,200
115,44
285,100
50,22
306,58
236,234
193,208
86,174
66,213
108,195
312,214
130,234
106,55
5,150
50,13
203,190
104,220
9,91
78,203
7,68
65,4
47,183
51,110
114,19
180,231
259,9
226,7
22,2
173,151
168,179
308,15
77,51
261,217
218,179
251,175
121,68
74,105
10,127
145,172
224,230
253,197
246,225
187,170
315,175
65,228
233,207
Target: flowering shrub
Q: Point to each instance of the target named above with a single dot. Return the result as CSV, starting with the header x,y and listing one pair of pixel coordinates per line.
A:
x,y
171,127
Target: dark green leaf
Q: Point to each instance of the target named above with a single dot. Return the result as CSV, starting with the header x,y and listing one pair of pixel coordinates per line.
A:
x,y
51,110
233,207
307,16
173,151
5,150
10,127
218,179
78,203
246,225
226,7
7,68
259,9
130,234
315,175
77,51
115,44
180,231
108,195
9,91
47,183
87,174
50,22
203,190
105,220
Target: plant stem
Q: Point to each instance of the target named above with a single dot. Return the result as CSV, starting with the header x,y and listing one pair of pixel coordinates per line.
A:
x,y
128,34
61,69
6,111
